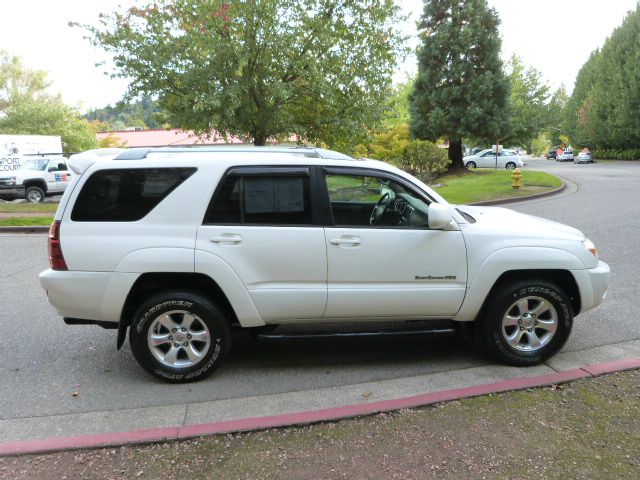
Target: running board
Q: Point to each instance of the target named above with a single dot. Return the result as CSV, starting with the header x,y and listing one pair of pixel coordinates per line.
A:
x,y
436,332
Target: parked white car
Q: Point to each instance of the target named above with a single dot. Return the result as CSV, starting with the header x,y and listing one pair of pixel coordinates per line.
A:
x,y
487,159
565,156
37,178
179,246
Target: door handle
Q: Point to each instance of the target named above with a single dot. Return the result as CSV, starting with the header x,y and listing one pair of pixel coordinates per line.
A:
x,y
226,238
345,241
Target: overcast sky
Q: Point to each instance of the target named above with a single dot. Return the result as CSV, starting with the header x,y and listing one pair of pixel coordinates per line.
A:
x,y
554,36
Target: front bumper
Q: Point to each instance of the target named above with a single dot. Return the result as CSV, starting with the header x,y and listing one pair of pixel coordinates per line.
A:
x,y
12,190
593,284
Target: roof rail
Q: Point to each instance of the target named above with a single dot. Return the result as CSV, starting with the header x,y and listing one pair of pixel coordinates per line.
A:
x,y
310,152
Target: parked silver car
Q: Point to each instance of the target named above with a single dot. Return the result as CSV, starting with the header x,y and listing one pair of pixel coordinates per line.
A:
x,y
584,157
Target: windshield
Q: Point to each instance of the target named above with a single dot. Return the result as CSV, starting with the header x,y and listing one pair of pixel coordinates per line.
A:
x,y
34,164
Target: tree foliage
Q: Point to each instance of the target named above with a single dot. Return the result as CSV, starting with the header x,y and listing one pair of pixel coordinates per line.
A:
x,y
397,111
604,108
27,107
318,69
18,82
144,113
49,116
461,89
529,103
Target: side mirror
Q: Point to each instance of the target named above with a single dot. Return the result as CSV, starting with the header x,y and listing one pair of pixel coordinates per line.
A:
x,y
439,216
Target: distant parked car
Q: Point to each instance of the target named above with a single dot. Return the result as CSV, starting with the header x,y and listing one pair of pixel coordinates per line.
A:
x,y
565,156
487,159
584,157
552,154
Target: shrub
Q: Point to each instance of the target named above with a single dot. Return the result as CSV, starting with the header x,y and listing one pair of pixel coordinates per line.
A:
x,y
612,154
421,158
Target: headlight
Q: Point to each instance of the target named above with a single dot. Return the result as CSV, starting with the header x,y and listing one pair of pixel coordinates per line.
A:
x,y
588,244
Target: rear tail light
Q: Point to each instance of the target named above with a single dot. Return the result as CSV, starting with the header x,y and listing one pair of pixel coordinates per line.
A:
x,y
56,259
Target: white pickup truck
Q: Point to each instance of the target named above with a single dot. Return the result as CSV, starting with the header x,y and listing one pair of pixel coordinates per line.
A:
x,y
36,179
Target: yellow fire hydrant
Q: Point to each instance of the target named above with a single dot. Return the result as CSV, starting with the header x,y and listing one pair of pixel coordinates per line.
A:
x,y
516,177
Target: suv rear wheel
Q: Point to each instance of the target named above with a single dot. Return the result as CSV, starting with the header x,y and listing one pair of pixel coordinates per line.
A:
x,y
527,322
179,336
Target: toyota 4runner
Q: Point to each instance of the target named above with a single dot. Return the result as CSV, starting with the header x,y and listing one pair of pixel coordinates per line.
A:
x,y
180,245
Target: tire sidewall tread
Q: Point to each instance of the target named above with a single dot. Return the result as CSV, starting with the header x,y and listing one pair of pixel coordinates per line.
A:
x,y
491,331
177,300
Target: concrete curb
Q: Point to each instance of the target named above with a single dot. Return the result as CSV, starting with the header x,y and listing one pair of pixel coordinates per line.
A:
x,y
26,229
308,417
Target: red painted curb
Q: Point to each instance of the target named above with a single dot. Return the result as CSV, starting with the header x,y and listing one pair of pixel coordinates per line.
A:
x,y
88,441
301,418
610,367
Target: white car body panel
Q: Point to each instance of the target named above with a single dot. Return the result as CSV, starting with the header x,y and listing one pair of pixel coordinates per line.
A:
x,y
284,269
363,283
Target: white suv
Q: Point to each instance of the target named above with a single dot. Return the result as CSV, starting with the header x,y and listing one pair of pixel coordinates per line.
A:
x,y
181,245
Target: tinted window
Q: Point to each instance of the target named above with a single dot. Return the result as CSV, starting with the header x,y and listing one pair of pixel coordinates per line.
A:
x,y
261,199
126,195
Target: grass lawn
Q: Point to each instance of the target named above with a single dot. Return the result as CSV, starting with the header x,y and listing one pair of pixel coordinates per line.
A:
x,y
25,221
482,185
28,207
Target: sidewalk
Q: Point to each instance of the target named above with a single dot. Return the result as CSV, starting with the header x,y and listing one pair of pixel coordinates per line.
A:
x,y
117,427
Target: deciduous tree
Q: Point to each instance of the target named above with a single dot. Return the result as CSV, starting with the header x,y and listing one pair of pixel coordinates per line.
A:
x,y
318,69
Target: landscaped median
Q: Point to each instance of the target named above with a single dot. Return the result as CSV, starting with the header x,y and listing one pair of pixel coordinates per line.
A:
x,y
26,214
476,186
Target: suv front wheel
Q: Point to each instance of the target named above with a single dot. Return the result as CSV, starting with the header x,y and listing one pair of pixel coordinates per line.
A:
x,y
527,322
179,336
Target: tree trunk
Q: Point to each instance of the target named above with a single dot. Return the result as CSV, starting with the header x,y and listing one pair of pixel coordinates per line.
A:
x,y
259,140
455,155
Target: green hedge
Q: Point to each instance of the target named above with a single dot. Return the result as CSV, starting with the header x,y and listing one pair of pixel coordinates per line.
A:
x,y
633,154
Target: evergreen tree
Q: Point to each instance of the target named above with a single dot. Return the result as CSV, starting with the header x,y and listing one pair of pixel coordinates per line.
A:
x,y
461,89
604,108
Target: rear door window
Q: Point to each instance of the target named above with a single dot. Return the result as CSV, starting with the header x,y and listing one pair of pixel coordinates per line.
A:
x,y
126,195
262,200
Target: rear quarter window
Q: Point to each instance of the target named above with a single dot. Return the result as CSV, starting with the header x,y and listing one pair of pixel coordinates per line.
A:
x,y
126,195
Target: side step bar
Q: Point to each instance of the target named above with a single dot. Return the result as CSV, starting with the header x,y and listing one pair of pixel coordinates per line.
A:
x,y
275,337
82,321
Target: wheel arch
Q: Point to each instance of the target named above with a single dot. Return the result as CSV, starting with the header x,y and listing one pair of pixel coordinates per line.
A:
x,y
35,182
562,278
154,282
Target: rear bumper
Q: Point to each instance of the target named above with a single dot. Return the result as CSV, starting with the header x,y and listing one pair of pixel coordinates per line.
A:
x,y
97,296
593,284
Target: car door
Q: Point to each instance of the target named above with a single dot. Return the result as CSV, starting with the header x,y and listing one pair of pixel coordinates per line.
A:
x,y
487,159
61,174
383,260
263,223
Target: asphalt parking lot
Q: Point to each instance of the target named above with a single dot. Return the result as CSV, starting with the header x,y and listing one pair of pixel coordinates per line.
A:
x,y
48,368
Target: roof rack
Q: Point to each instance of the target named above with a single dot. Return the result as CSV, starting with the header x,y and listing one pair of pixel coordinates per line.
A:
x,y
309,152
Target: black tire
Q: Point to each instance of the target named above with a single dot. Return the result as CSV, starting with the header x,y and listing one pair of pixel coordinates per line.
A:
x,y
34,194
206,317
470,165
510,166
494,334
